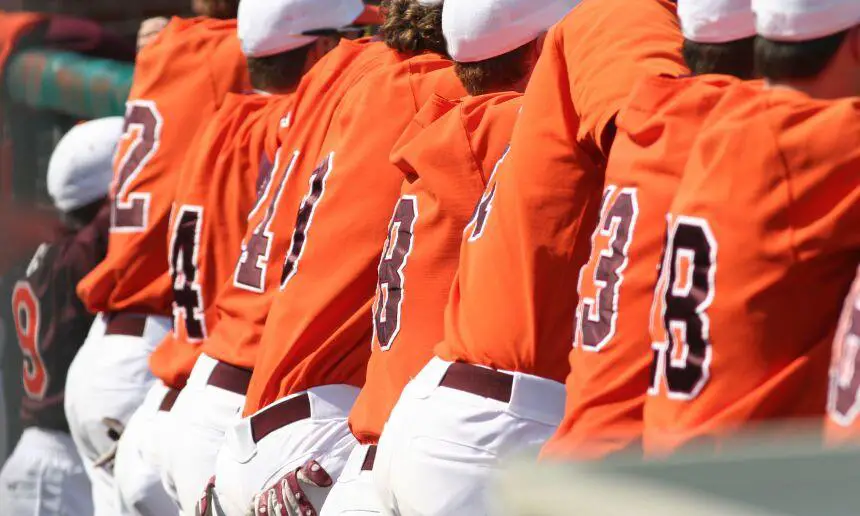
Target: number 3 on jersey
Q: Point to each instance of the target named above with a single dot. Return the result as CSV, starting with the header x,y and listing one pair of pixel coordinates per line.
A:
x,y
390,288
680,326
143,124
27,319
600,280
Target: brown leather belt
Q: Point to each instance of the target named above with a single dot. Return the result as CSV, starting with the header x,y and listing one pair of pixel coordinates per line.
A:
x,y
230,378
169,400
480,381
129,324
279,416
369,459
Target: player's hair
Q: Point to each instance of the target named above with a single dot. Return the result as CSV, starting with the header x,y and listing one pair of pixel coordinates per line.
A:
x,y
222,9
279,72
496,74
731,58
781,60
413,28
80,217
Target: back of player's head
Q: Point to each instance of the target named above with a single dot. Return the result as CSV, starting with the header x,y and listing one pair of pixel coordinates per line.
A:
x,y
277,36
81,167
413,26
719,36
494,42
800,39
223,9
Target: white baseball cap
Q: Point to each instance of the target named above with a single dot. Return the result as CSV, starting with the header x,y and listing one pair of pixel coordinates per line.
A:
x,y
716,21
81,168
268,27
481,29
803,20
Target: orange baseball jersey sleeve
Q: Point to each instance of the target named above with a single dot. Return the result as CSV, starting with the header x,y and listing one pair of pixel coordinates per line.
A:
x,y
243,303
843,397
447,155
512,305
319,328
228,167
181,79
611,359
760,253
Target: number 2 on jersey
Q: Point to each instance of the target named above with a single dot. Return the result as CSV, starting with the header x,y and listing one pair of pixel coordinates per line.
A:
x,y
27,319
143,123
680,326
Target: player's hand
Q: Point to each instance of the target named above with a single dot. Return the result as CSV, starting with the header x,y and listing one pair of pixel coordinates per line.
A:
x,y
149,29
287,497
115,430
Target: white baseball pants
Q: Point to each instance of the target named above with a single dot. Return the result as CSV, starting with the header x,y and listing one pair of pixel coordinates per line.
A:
x,y
354,493
45,477
138,464
442,445
246,467
109,378
197,425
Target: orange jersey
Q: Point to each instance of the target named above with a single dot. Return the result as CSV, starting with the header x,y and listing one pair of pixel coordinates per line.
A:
x,y
180,80
610,362
447,154
760,253
243,302
843,398
229,165
512,305
319,329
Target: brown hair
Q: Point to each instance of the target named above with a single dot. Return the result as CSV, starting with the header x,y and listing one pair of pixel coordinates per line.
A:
x,y
500,73
730,58
223,9
412,28
778,60
280,72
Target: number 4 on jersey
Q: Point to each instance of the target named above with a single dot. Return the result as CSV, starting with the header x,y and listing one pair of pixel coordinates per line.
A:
x,y
184,261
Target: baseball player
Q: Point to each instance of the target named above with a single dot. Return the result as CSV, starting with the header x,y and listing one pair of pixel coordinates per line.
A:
x,y
446,155
230,168
760,249
315,344
242,303
181,78
45,475
495,386
610,361
842,397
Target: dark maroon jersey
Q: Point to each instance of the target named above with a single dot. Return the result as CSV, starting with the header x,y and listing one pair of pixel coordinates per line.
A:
x,y
51,323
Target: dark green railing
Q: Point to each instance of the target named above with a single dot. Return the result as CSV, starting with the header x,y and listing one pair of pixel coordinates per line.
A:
x,y
68,83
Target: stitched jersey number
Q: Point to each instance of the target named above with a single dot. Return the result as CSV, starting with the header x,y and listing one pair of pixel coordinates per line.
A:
x,y
304,218
600,280
845,378
143,123
680,324
390,288
251,268
485,205
184,263
26,311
